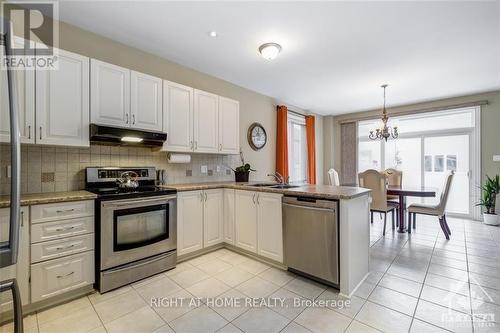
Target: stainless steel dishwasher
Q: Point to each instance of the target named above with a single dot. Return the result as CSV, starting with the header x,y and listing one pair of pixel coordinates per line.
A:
x,y
311,238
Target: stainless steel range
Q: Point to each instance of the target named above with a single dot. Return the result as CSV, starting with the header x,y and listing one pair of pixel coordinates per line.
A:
x,y
136,227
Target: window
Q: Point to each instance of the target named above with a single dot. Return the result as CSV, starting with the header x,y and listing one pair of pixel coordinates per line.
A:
x,y
297,148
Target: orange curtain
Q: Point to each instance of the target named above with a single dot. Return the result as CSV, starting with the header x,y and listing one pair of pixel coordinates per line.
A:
x,y
282,141
311,149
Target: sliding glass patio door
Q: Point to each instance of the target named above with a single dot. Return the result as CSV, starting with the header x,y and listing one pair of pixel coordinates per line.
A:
x,y
443,154
429,147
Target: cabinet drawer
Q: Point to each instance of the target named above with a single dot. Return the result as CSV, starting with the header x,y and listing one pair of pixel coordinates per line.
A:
x,y
61,247
61,229
66,210
57,276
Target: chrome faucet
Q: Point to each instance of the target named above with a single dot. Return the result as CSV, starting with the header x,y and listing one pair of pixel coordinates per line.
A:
x,y
279,178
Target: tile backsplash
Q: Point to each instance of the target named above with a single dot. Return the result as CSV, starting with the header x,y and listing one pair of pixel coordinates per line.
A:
x,y
53,169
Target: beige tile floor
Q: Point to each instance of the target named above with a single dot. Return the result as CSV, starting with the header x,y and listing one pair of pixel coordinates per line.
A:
x,y
420,283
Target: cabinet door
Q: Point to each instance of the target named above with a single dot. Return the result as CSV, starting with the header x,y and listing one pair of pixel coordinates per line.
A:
x,y
246,220
146,102
189,221
25,80
206,122
229,126
62,102
229,216
213,215
270,226
178,108
21,269
110,94
54,277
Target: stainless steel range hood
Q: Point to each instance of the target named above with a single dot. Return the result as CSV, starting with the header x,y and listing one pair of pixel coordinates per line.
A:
x,y
107,135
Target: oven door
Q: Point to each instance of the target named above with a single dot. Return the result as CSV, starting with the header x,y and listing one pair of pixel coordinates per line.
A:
x,y
135,229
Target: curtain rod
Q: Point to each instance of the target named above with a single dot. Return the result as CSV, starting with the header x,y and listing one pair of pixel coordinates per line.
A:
x,y
416,111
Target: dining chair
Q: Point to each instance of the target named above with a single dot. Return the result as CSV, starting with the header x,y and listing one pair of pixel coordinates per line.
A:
x,y
433,210
333,177
376,181
395,178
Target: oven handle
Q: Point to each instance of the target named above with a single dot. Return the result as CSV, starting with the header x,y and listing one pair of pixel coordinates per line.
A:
x,y
135,202
137,263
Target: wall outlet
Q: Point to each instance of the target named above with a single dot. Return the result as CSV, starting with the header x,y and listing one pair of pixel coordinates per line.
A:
x,y
204,169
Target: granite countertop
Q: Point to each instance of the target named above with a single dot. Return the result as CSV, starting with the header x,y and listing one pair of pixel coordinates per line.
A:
x,y
43,198
317,191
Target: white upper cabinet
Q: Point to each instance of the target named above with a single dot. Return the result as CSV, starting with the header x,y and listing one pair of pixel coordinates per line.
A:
x,y
62,102
229,126
178,108
110,94
25,80
213,217
206,124
146,102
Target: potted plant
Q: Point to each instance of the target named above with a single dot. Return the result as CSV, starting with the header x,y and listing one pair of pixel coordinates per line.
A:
x,y
242,172
490,190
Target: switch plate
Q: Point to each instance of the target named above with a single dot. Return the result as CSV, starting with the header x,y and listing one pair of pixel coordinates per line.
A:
x,y
204,169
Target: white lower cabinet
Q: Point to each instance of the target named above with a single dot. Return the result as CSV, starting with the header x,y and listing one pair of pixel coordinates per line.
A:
x,y
270,226
213,217
258,223
229,216
19,271
199,220
246,220
189,221
57,276
62,248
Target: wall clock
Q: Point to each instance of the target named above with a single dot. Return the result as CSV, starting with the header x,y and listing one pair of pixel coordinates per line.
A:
x,y
257,136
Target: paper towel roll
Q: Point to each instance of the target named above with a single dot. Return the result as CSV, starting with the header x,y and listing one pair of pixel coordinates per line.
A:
x,y
178,158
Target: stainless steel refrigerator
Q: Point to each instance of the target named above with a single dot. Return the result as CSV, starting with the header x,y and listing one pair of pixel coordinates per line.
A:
x,y
9,231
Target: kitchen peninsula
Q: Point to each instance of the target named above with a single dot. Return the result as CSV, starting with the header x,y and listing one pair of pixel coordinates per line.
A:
x,y
248,217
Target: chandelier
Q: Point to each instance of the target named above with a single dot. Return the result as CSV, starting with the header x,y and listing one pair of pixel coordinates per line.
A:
x,y
386,131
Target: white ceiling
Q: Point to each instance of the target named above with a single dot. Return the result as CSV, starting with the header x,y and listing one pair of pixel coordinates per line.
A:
x,y
335,54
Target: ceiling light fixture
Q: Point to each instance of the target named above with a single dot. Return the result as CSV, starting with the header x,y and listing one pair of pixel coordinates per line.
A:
x,y
213,33
385,132
270,51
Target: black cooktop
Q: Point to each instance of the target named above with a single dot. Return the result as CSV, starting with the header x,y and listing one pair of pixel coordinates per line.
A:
x,y
111,193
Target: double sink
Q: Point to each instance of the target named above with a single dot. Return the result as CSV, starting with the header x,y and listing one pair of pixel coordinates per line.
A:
x,y
277,186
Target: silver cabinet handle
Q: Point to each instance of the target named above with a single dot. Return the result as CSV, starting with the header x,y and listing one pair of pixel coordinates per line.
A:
x,y
206,196
65,275
258,197
22,219
65,210
253,198
65,247
191,145
126,118
29,132
133,119
196,145
40,132
201,196
65,229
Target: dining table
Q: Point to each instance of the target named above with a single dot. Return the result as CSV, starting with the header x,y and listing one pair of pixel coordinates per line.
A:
x,y
403,191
